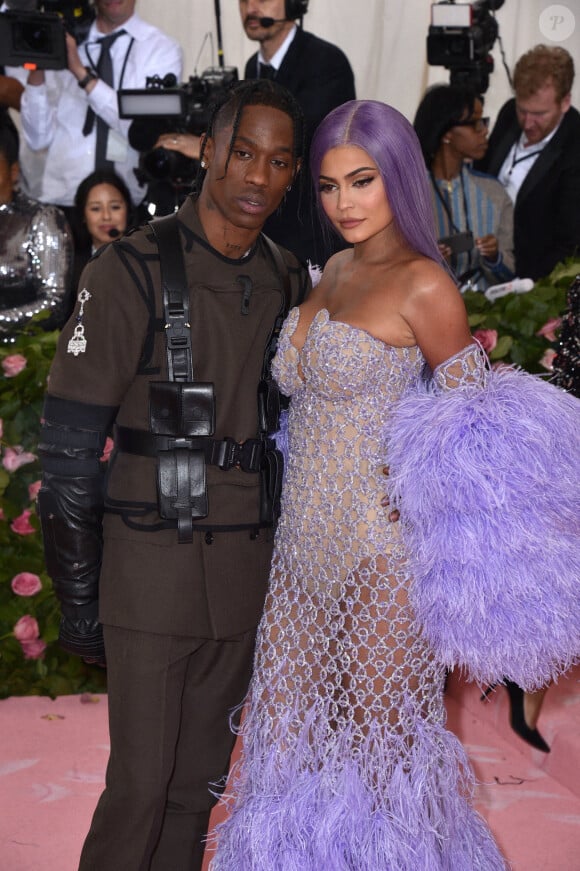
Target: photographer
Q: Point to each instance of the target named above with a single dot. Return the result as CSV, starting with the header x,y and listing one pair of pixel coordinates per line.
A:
x,y
473,214
74,114
169,144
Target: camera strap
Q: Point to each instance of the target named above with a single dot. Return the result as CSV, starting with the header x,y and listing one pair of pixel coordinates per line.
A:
x,y
470,271
447,207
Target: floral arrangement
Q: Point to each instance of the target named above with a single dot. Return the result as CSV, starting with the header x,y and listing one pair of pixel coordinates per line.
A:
x,y
517,329
31,662
522,329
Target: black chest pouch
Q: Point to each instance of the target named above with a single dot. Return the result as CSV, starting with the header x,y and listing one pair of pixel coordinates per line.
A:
x,y
182,412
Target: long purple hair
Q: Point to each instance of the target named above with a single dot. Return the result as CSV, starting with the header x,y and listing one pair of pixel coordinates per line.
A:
x,y
389,139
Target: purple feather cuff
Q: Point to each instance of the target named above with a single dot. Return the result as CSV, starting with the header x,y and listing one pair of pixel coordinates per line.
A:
x,y
487,482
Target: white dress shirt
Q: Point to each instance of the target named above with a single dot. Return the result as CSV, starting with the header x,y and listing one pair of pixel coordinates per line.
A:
x,y
277,58
519,161
53,114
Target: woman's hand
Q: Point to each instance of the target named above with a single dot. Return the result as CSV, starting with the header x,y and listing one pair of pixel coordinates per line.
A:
x,y
445,251
185,143
488,247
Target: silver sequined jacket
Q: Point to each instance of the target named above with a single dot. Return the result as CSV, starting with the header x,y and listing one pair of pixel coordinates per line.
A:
x,y
36,254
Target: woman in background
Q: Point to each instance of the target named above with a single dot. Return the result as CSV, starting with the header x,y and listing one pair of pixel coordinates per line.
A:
x,y
102,212
473,214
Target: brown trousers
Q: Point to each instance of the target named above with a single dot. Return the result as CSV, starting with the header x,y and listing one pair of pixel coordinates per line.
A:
x,y
170,700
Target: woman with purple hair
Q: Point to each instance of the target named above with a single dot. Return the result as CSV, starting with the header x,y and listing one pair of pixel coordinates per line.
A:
x,y
347,765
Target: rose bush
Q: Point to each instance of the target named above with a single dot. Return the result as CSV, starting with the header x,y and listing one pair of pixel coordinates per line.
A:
x,y
31,661
525,325
13,364
26,584
487,339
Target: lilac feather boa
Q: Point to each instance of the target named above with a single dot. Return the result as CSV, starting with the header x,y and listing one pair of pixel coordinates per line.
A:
x,y
487,482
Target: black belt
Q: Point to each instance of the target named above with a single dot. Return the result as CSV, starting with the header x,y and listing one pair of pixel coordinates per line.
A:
x,y
225,453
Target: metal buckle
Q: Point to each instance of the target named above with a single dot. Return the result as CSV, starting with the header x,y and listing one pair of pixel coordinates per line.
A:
x,y
227,453
250,456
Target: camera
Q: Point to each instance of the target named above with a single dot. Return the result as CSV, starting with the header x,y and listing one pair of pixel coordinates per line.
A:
x,y
460,38
163,106
459,243
36,40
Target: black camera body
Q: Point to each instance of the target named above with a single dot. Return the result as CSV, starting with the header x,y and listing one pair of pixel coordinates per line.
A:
x,y
36,40
460,38
163,106
460,242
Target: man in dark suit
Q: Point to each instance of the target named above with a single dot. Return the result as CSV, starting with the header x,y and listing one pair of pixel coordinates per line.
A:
x,y
319,75
534,150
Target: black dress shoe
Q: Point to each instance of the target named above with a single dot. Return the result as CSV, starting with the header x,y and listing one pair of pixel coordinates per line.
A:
x,y
517,719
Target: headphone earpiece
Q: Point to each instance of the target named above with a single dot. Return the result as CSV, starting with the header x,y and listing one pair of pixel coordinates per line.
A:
x,y
295,9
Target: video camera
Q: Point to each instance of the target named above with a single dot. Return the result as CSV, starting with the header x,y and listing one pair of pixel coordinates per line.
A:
x,y
163,106
36,40
460,38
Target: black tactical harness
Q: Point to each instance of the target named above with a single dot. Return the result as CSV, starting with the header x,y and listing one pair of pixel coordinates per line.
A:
x,y
182,411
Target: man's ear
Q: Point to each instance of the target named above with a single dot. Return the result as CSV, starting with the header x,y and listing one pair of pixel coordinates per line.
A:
x,y
14,172
565,103
207,147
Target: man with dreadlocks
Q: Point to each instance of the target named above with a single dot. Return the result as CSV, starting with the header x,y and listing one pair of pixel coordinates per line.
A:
x,y
171,341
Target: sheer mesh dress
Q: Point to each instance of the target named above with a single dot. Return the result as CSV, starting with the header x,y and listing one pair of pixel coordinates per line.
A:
x,y
347,765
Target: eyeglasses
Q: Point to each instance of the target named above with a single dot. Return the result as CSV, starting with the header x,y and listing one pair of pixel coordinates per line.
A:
x,y
478,124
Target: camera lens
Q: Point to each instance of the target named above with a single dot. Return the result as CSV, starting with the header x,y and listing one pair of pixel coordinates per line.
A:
x,y
33,37
159,163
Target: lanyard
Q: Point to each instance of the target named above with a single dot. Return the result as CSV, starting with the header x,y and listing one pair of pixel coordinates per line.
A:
x,y
470,271
516,160
127,53
446,205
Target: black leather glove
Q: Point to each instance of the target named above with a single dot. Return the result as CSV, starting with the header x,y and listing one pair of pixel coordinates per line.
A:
x,y
70,507
83,637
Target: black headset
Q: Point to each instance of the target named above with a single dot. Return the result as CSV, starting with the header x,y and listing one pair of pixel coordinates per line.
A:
x,y
295,9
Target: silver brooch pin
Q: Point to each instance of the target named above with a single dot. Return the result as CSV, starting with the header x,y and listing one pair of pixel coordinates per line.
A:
x,y
77,343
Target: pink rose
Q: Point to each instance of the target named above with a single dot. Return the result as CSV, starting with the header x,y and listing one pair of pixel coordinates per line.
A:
x,y
13,364
487,339
26,584
26,629
33,490
109,445
33,649
549,329
21,525
547,359
16,457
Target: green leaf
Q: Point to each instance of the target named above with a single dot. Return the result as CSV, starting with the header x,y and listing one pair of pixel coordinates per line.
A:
x,y
504,343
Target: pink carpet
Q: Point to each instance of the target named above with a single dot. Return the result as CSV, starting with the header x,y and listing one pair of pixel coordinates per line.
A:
x,y
53,756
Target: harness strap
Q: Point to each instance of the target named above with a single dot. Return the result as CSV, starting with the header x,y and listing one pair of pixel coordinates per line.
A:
x,y
224,453
175,299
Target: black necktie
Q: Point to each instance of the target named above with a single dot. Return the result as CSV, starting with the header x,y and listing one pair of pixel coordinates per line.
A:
x,y
105,73
267,71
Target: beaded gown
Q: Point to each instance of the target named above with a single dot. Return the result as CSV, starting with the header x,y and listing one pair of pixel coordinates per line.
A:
x,y
347,765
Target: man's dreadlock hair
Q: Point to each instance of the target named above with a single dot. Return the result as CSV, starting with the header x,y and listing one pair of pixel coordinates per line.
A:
x,y
253,92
